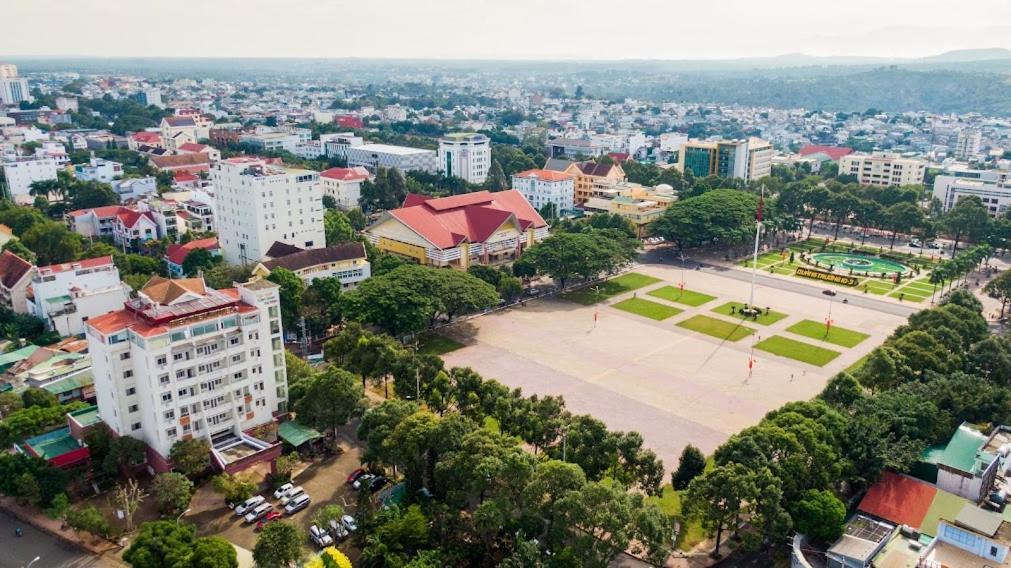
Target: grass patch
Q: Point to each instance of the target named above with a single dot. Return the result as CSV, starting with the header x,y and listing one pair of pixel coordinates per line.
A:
x,y
688,297
669,502
716,328
601,291
837,335
434,344
907,296
798,350
734,309
645,308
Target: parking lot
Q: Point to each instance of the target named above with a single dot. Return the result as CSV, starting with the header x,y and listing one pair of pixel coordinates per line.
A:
x,y
323,480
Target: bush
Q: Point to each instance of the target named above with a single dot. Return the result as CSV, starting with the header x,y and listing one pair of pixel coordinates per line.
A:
x,y
88,519
692,464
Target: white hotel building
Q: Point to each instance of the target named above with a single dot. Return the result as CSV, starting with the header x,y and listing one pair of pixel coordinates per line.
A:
x,y
258,204
541,187
465,155
185,361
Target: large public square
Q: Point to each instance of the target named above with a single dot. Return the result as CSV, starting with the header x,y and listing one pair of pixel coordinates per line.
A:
x,y
675,372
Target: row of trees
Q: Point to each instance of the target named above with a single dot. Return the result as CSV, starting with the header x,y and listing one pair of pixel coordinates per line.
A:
x,y
789,472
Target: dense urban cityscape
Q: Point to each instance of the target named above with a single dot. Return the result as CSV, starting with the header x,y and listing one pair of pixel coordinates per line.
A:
x,y
343,312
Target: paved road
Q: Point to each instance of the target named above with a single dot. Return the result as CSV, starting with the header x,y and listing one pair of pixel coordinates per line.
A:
x,y
17,552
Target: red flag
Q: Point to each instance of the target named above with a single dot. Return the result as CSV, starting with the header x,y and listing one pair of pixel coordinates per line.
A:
x,y
751,363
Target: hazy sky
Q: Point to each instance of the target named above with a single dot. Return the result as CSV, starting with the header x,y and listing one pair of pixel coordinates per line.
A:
x,y
501,29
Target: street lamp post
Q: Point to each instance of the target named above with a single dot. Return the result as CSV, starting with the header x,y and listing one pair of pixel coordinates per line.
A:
x,y
34,560
181,515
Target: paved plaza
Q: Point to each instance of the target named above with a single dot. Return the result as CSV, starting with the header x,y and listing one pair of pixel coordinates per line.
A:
x,y
673,385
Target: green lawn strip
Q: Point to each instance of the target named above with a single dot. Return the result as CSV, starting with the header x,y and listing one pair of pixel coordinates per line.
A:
x,y
763,319
645,308
434,344
716,328
688,297
594,293
907,297
785,270
669,502
925,288
837,335
857,364
798,350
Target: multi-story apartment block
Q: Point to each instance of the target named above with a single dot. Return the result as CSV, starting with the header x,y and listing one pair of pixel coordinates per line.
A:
x,y
465,155
541,187
344,185
995,195
640,205
98,169
183,360
337,145
66,295
883,168
749,159
149,96
271,141
13,89
257,204
587,175
402,158
22,171
968,143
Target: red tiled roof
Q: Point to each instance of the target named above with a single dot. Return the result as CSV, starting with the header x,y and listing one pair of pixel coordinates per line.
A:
x,y
12,269
180,161
77,265
106,211
899,499
146,137
544,175
122,319
345,174
473,217
619,156
176,121
192,147
183,176
129,218
176,254
834,152
594,169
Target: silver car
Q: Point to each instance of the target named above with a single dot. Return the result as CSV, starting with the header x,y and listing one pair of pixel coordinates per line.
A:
x,y
248,505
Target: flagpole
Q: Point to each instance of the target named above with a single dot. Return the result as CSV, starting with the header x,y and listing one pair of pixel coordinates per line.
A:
x,y
754,260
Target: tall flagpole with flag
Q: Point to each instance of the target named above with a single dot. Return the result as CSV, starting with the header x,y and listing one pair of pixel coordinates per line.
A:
x,y
758,234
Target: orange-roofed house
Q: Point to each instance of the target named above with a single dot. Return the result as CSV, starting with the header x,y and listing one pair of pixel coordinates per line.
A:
x,y
457,231
134,228
183,361
176,254
589,175
194,148
544,187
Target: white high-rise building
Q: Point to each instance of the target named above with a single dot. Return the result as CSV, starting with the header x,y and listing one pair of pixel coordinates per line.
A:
x,y
541,187
69,294
883,168
968,143
465,155
258,203
185,361
13,89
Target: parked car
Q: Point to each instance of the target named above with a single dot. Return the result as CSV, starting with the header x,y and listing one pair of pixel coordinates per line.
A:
x,y
378,483
354,475
271,517
320,536
297,504
248,505
293,494
828,292
362,481
283,490
349,523
337,530
915,243
933,245
258,513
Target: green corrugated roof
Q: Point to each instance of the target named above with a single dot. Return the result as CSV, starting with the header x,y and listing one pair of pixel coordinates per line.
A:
x,y
70,383
18,355
960,453
86,416
296,434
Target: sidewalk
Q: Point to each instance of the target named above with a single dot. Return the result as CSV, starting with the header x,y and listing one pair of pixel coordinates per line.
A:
x,y
53,527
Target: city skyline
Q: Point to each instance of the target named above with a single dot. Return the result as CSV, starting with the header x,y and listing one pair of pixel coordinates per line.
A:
x,y
453,29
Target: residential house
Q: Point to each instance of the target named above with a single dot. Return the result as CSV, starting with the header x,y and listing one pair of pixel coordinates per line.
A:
x,y
176,254
347,262
66,295
344,185
15,277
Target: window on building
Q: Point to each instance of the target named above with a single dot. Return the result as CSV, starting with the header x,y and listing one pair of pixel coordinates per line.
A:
x,y
171,432
131,391
161,360
127,374
132,408
135,426
166,396
169,415
124,356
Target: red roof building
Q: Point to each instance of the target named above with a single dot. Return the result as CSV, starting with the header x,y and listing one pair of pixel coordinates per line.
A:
x,y
15,277
457,231
899,499
176,254
833,152
348,121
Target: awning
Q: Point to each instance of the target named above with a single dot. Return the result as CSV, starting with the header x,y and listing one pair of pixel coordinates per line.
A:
x,y
296,434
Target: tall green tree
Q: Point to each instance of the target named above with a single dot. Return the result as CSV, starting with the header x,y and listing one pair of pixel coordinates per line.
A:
x,y
330,400
279,545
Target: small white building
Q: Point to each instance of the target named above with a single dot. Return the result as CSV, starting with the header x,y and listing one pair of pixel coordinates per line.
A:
x,y
271,141
465,155
22,171
995,195
541,187
337,145
344,185
66,295
134,188
98,169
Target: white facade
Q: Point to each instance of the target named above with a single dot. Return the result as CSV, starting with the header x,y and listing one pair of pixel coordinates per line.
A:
x,y
337,145
162,376
13,90
21,172
271,141
66,295
883,168
344,185
402,158
543,187
466,156
996,196
134,188
968,143
257,204
310,150
98,170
